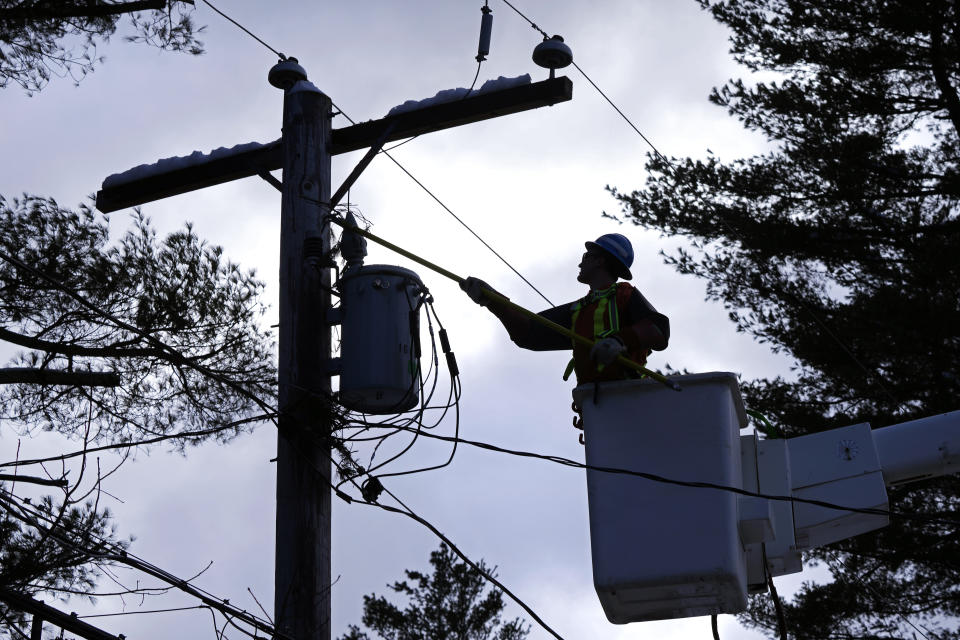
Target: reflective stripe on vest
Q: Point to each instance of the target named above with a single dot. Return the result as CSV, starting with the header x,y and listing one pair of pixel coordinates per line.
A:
x,y
603,299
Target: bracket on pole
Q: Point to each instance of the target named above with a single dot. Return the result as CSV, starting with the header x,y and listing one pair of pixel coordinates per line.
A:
x,y
364,161
267,176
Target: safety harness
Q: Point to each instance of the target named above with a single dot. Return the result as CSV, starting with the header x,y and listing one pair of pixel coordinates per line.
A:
x,y
607,305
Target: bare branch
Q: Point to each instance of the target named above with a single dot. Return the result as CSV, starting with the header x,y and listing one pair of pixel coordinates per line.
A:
x,y
47,482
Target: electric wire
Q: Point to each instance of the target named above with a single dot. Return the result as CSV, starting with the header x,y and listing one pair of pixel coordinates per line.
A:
x,y
26,512
136,613
566,462
406,511
696,484
455,393
617,109
401,423
465,96
247,31
455,216
731,230
774,596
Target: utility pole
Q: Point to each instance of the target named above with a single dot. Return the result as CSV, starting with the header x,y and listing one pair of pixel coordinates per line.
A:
x,y
302,570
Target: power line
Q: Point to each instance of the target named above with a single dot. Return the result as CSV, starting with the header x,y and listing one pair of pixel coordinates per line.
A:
x,y
406,511
16,507
125,557
694,483
247,31
617,109
731,230
455,216
137,613
532,23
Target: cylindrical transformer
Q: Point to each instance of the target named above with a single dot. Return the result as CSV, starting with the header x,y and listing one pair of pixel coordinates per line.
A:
x,y
379,354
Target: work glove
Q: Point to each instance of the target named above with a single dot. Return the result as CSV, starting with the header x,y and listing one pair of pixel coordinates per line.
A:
x,y
606,350
474,288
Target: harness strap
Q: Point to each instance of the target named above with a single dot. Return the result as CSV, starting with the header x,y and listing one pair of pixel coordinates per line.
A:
x,y
604,307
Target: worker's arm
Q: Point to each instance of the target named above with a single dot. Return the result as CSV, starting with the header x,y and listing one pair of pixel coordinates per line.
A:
x,y
644,335
523,331
647,328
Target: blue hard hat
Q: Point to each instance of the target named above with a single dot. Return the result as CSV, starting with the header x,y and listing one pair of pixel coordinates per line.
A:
x,y
617,246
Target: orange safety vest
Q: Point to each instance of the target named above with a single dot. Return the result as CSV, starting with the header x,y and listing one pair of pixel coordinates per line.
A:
x,y
597,316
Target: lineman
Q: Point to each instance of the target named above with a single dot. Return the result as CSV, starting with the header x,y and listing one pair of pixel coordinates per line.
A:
x,y
614,314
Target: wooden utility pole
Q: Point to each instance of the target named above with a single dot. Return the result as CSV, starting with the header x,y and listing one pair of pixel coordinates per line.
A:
x,y
302,571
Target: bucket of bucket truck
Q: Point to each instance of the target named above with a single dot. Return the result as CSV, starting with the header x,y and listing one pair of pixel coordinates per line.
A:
x,y
661,550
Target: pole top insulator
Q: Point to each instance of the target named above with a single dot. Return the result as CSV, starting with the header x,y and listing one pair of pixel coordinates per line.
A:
x,y
552,53
286,73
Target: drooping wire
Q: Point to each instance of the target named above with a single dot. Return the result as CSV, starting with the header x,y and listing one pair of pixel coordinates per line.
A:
x,y
775,597
696,484
455,391
406,511
104,550
415,424
137,613
243,28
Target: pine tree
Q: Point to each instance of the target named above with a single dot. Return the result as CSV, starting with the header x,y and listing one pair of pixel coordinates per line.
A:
x,y
839,247
449,604
44,38
123,345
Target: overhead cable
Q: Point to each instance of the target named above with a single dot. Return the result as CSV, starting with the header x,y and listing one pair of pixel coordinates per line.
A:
x,y
247,31
731,230
406,511
455,216
17,508
567,462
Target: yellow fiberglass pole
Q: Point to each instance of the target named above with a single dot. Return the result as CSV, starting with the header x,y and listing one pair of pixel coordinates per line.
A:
x,y
503,300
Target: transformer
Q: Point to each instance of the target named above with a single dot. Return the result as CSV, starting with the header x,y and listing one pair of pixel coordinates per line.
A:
x,y
379,344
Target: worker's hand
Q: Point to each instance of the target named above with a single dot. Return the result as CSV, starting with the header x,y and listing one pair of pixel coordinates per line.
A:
x,y
606,350
474,288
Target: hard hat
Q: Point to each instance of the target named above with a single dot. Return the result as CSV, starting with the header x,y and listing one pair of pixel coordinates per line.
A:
x,y
617,246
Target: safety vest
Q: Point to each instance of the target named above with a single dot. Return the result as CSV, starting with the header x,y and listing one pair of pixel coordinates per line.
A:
x,y
597,316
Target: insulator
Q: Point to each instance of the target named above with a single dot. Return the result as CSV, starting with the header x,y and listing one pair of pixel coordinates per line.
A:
x,y
486,28
444,341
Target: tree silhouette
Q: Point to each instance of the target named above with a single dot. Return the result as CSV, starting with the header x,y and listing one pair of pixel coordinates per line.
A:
x,y
839,247
449,604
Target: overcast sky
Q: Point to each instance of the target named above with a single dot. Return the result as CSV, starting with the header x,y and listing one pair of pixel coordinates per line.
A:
x,y
531,184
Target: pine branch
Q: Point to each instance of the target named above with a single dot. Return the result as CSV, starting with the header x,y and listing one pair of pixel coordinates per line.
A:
x,y
28,375
82,10
76,350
